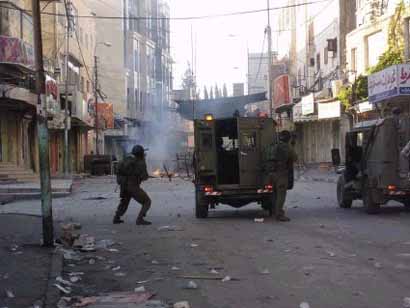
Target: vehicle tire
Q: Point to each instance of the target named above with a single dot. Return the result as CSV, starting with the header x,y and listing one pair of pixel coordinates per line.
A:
x,y
201,205
370,206
267,205
343,200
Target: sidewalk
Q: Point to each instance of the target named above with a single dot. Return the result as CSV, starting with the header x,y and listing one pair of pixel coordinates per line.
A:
x,y
27,191
24,264
316,175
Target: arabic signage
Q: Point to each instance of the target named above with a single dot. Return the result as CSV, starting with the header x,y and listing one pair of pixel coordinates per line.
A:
x,y
364,107
281,91
329,110
308,104
105,115
52,95
391,82
15,51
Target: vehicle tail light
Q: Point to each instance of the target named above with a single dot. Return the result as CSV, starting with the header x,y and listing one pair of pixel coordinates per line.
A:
x,y
208,189
269,187
391,187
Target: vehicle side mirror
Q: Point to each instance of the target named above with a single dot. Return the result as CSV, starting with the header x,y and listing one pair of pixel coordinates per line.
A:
x,y
336,160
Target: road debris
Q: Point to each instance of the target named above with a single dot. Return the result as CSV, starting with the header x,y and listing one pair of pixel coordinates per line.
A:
x,y
214,271
377,265
155,262
113,250
170,228
175,268
75,279
304,305
115,298
226,279
91,261
193,245
265,271
120,274
406,302
104,244
10,294
331,253
140,289
117,268
76,274
259,220
182,305
142,281
66,290
404,255
191,285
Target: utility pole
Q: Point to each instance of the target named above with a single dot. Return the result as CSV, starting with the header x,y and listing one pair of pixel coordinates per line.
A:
x,y
66,115
269,34
97,149
42,130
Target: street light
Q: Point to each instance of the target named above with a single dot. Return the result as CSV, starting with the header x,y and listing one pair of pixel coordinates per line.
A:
x,y
106,44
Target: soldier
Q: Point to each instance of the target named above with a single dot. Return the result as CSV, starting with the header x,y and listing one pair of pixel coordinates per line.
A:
x,y
132,171
280,158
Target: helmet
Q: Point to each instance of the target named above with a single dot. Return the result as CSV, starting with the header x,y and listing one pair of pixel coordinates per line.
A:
x,y
284,136
137,150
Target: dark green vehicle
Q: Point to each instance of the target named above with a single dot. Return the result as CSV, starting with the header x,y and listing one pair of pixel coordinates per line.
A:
x,y
375,169
228,162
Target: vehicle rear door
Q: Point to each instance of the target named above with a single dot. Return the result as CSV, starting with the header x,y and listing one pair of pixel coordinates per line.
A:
x,y
267,136
249,156
205,149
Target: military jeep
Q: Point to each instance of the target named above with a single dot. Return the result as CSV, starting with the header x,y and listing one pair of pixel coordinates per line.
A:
x,y
375,171
228,162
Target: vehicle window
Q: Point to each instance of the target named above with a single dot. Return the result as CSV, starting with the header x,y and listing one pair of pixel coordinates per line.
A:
x,y
206,141
248,141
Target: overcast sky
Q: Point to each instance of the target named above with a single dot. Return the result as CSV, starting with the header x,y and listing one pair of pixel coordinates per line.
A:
x,y
221,43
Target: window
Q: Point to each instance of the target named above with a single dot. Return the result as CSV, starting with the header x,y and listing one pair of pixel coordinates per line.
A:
x,y
353,59
318,61
326,56
248,141
375,46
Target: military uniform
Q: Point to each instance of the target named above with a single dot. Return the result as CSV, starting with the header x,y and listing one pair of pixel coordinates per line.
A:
x,y
130,178
279,158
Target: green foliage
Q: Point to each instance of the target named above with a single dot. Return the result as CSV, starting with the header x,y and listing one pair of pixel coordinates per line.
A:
x,y
345,96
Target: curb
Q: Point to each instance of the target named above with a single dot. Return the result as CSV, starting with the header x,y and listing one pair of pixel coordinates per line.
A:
x,y
52,295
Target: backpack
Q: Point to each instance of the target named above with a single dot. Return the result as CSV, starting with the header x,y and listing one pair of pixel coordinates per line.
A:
x,y
123,170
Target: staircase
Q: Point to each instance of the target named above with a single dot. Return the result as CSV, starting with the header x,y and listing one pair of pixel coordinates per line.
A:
x,y
11,173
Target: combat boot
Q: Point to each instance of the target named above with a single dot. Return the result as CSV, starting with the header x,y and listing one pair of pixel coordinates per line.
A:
x,y
117,220
143,222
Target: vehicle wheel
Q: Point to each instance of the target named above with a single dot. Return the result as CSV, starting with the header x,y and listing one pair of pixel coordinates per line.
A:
x,y
343,200
370,206
268,206
201,205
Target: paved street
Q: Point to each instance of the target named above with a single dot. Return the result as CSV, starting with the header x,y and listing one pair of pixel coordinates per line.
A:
x,y
326,256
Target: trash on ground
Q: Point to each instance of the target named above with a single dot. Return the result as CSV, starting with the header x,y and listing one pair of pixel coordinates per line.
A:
x,y
104,244
377,265
304,305
331,253
175,268
259,220
91,261
406,302
155,262
10,294
265,272
120,274
113,250
182,305
191,285
140,289
76,274
96,198
170,228
75,279
117,268
63,281
404,255
115,298
66,290
71,255
193,245
213,271
142,281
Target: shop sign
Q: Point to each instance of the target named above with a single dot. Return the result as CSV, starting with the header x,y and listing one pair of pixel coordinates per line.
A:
x,y
281,91
329,110
52,95
308,104
298,115
15,51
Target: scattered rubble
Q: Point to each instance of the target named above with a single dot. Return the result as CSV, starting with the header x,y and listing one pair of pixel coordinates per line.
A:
x,y
182,305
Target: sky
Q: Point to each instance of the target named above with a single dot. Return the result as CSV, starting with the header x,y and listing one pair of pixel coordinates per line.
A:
x,y
220,44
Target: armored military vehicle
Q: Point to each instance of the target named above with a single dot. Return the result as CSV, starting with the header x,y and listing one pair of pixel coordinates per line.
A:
x,y
376,170
228,162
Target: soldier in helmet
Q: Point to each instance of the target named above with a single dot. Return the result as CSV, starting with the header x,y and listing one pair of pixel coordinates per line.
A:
x,y
132,171
280,157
